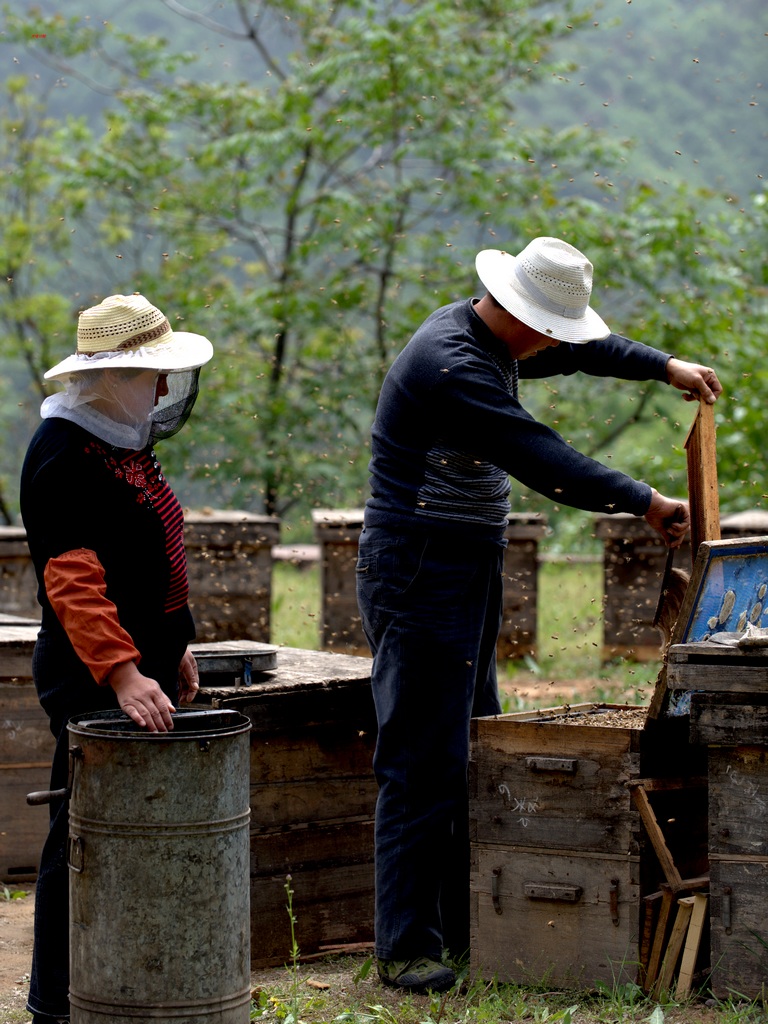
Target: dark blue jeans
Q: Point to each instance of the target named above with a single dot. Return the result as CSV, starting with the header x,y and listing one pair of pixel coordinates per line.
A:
x,y
431,609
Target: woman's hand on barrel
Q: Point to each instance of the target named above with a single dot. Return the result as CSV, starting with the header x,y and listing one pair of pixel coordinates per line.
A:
x,y
141,698
189,678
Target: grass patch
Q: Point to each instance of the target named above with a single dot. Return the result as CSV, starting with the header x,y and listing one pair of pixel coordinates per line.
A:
x,y
345,990
568,667
295,613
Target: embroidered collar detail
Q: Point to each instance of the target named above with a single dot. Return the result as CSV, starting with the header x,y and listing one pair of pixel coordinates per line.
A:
x,y
136,469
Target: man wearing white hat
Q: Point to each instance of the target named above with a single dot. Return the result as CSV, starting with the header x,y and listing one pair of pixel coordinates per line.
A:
x,y
105,533
448,434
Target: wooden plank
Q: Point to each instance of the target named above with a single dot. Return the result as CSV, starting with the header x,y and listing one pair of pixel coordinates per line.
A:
x,y
735,719
692,945
701,451
16,646
704,652
317,756
25,736
563,714
656,836
659,937
671,783
309,847
308,688
26,750
19,620
296,803
332,904
704,506
312,776
674,946
23,829
716,669
650,910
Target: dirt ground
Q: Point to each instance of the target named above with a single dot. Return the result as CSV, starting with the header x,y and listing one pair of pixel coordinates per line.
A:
x,y
15,954
333,981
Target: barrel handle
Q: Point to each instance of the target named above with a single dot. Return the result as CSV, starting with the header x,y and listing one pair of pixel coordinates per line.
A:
x,y
47,796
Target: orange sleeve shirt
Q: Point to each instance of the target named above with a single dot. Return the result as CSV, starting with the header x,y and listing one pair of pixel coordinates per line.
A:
x,y
77,590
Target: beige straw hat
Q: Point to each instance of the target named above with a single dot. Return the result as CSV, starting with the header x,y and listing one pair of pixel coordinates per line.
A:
x,y
128,331
548,287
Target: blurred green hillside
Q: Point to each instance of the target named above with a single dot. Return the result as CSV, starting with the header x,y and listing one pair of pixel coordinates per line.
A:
x,y
307,182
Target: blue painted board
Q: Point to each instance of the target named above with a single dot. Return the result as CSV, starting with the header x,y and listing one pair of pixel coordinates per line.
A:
x,y
731,589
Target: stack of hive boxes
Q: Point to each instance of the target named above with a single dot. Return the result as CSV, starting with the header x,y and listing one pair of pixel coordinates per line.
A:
x,y
560,856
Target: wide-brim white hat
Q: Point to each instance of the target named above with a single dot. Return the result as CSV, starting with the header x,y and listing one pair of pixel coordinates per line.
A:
x,y
127,331
547,286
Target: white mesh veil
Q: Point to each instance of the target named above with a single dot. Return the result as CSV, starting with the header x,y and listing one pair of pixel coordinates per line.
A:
x,y
118,405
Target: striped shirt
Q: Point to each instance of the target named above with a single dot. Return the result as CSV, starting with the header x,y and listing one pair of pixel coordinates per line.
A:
x,y
143,471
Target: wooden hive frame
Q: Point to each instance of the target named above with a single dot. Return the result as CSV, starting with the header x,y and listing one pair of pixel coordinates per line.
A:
x,y
701,451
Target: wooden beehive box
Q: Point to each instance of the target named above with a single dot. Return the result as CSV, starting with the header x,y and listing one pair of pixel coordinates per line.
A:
x,y
633,563
519,621
732,725
313,796
337,532
18,583
724,672
26,749
229,562
738,853
559,857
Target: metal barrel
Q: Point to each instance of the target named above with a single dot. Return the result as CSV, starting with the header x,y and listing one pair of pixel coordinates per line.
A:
x,y
159,874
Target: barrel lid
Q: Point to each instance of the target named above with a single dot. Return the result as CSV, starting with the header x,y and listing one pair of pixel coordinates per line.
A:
x,y
187,723
233,657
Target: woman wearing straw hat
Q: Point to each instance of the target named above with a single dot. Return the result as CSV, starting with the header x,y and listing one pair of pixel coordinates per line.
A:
x,y
448,434
105,533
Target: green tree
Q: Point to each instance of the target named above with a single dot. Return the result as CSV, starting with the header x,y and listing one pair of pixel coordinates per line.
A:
x,y
309,214
40,207
320,209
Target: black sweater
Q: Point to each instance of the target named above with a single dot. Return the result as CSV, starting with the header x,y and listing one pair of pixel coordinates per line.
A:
x,y
79,492
448,432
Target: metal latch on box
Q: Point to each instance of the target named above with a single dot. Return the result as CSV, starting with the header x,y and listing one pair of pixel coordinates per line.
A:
x,y
536,891
552,764
553,891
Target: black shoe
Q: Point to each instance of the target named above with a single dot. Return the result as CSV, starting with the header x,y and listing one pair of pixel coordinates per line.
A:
x,y
419,975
